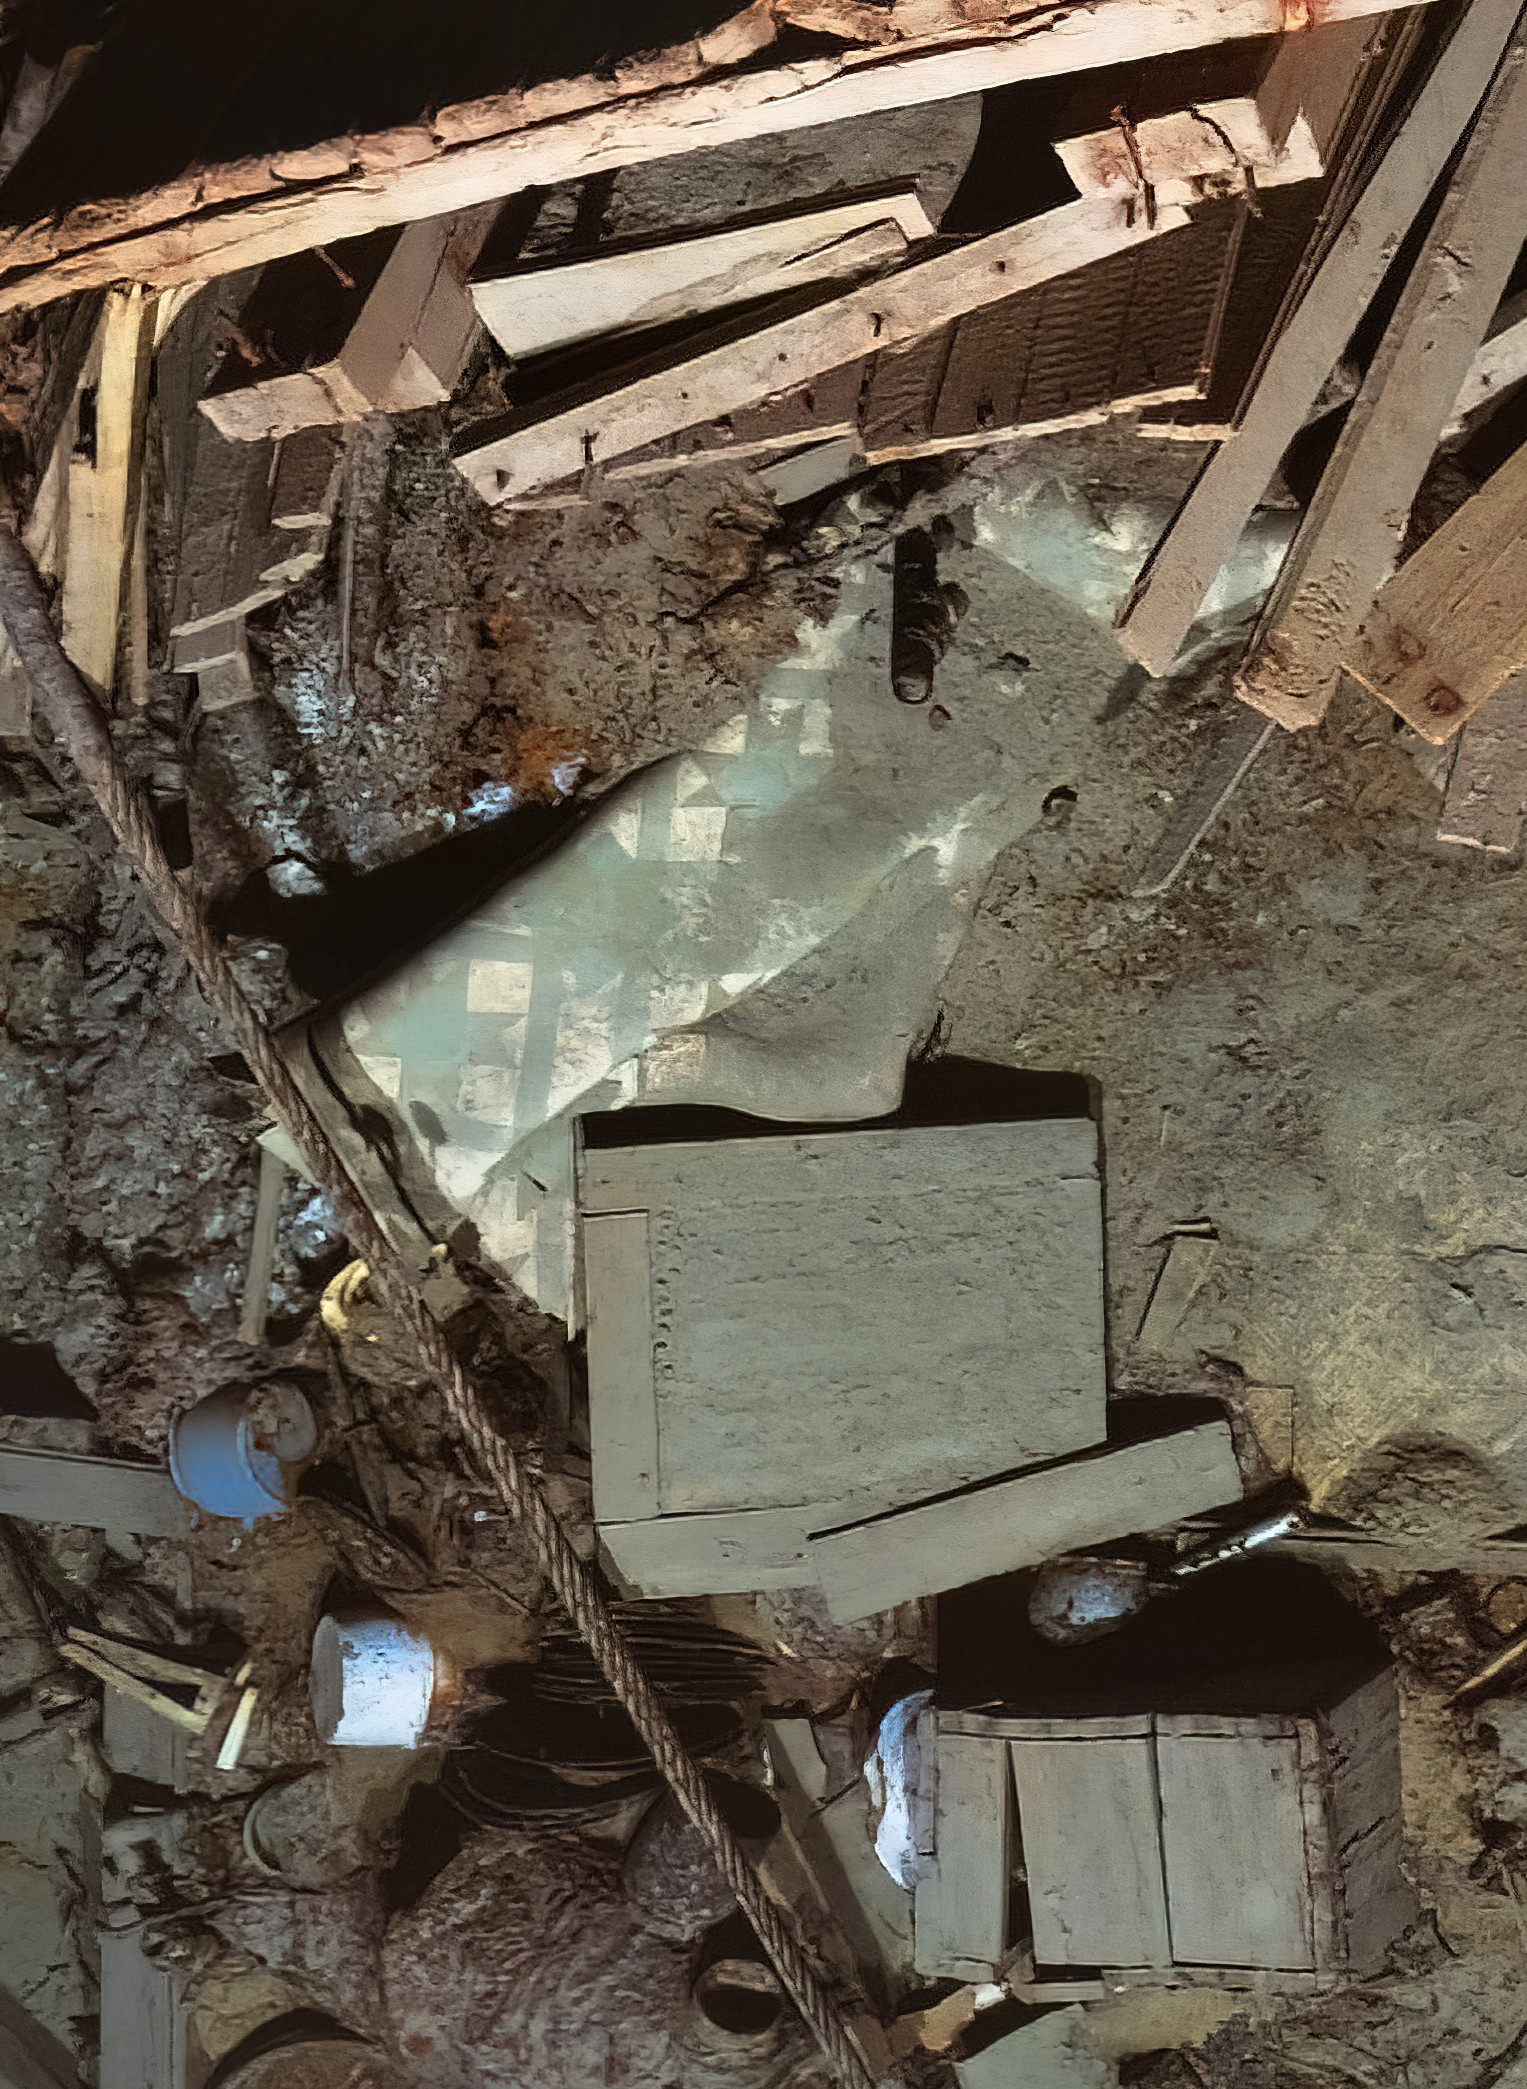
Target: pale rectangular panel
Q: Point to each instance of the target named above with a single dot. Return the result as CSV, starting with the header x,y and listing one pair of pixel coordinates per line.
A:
x,y
1018,1522
924,1307
102,1493
551,306
1233,1846
961,1911
1088,1816
143,2043
622,1411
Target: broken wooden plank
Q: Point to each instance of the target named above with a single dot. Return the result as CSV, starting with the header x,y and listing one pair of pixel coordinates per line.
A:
x,y
1088,1813
1184,1271
102,1493
617,1288
565,434
1233,1846
212,220
1499,363
805,473
102,484
961,1901
557,303
1352,530
1166,598
267,1219
371,328
1216,148
1486,798
1451,626
988,1530
31,2057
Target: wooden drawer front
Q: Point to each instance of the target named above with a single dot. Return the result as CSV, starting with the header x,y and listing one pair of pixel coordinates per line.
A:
x,y
1233,1848
1088,1816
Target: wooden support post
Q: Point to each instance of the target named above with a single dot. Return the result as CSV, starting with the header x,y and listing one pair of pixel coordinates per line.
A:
x,y
1180,571
1352,530
262,1247
102,488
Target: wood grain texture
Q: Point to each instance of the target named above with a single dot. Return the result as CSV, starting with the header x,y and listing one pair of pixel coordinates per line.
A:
x,y
1088,1814
1166,598
617,1284
554,304
1233,1847
214,219
564,435
102,1493
1375,1902
1015,1523
1351,533
1450,628
961,1905
1486,800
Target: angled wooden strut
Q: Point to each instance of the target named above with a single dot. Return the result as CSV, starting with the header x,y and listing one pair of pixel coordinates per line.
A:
x,y
1352,530
1166,598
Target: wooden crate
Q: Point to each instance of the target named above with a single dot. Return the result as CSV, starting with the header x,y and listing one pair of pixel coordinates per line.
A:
x,y
1254,1849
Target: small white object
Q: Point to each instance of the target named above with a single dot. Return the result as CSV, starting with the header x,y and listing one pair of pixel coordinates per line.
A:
x,y
371,1684
892,1773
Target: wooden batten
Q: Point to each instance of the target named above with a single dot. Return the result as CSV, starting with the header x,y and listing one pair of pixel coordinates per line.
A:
x,y
226,218
389,340
99,484
1166,598
567,434
1350,536
1450,628
550,306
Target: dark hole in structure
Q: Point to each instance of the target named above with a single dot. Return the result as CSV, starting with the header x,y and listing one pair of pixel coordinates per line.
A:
x,y
1058,803
431,1833
232,1066
944,1090
34,1382
362,925
744,2006
1262,1635
174,820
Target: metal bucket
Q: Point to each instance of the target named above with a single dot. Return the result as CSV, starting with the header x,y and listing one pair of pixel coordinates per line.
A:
x,y
372,1682
241,1451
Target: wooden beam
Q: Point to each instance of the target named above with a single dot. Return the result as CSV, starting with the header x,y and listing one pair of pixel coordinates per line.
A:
x,y
1018,1522
537,309
31,2057
565,434
212,220
413,330
1166,598
102,468
1500,362
102,1493
1351,533
1451,626
1212,149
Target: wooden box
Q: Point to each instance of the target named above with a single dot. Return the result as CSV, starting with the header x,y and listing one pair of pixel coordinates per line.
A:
x,y
1258,1849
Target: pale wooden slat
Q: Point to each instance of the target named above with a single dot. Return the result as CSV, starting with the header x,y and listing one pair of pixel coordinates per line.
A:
x,y
1352,530
565,434
1233,1845
1017,1522
1181,570
1088,1816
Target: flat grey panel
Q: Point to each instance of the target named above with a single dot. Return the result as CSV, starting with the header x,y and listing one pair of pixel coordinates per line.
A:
x,y
961,1906
1232,1837
898,1312
1088,1815
1017,1522
103,1493
617,1279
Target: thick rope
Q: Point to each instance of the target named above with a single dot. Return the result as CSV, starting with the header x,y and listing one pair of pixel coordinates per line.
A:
x,y
80,724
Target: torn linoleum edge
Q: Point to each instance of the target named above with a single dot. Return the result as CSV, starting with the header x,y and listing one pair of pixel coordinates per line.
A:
x,y
482,1049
